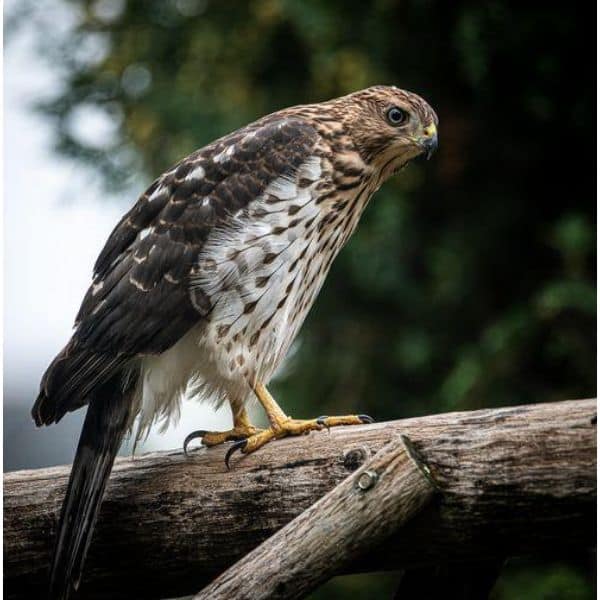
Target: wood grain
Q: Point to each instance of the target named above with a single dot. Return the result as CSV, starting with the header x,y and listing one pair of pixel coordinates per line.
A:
x,y
514,480
362,511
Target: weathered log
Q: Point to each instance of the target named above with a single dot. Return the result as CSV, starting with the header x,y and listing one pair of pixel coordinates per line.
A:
x,y
362,511
514,480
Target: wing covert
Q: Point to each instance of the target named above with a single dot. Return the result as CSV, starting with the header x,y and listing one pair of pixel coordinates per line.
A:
x,y
140,301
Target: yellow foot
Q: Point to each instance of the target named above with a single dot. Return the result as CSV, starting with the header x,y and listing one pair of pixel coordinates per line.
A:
x,y
214,438
285,427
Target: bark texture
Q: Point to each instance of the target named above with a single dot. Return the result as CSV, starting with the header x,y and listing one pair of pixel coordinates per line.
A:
x,y
363,510
513,480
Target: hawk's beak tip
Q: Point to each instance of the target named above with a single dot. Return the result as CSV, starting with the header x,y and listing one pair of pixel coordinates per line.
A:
x,y
429,145
429,141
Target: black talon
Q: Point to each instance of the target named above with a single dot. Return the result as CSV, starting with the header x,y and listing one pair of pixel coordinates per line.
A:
x,y
192,436
366,419
237,446
322,421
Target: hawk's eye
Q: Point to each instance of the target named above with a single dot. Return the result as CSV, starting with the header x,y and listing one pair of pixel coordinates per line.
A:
x,y
396,116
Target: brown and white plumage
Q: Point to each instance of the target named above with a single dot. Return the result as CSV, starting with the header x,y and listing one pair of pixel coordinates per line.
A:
x,y
206,281
143,299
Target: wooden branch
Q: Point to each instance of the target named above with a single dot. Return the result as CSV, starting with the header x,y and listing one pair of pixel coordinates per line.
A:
x,y
362,511
514,480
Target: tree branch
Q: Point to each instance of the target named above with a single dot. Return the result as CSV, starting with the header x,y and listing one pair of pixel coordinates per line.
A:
x,y
362,511
514,480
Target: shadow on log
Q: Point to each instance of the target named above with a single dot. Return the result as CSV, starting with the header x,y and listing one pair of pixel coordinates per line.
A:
x,y
513,481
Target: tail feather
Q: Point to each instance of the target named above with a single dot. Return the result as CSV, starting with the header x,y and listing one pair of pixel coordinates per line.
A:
x,y
71,379
106,422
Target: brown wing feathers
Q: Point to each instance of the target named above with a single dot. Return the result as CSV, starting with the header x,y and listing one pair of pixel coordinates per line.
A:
x,y
140,302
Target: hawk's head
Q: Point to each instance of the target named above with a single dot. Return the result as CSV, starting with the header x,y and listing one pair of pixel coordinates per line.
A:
x,y
388,126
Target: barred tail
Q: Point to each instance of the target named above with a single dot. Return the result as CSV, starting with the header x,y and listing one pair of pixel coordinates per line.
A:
x,y
106,422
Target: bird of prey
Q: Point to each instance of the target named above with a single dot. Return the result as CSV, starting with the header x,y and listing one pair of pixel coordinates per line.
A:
x,y
205,282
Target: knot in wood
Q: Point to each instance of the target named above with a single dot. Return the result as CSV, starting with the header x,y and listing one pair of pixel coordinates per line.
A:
x,y
354,458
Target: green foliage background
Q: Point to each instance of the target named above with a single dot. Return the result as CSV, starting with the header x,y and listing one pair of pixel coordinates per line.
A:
x,y
471,280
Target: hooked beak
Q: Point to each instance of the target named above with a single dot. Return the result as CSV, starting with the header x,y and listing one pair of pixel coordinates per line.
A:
x,y
429,140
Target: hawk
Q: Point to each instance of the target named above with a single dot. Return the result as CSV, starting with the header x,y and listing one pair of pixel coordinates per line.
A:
x,y
203,285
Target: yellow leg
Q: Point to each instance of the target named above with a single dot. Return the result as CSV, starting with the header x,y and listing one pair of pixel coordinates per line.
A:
x,y
242,428
282,425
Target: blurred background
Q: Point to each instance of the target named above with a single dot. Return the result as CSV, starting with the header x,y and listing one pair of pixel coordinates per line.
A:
x,y
471,280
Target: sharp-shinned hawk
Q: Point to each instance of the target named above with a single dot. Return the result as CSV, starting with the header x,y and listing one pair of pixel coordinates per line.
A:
x,y
205,282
